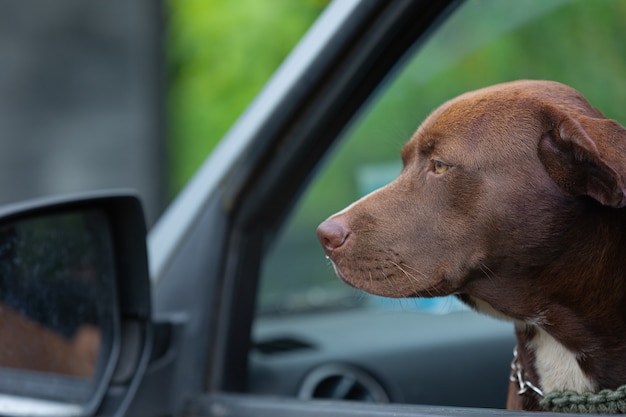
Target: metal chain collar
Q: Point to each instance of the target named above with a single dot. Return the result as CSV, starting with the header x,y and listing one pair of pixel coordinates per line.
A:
x,y
518,377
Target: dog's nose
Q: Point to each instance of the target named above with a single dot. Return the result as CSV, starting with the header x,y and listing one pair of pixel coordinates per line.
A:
x,y
332,234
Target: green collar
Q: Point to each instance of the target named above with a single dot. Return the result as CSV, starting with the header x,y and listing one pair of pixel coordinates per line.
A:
x,y
603,402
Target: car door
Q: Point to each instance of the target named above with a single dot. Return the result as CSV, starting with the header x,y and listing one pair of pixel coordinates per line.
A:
x,y
242,328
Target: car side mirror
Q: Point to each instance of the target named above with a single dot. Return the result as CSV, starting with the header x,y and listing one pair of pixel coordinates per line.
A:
x,y
75,328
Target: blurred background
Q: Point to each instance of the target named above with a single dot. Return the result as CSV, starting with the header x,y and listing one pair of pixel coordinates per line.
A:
x,y
112,93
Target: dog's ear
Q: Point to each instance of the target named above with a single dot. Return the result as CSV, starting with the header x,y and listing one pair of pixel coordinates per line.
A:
x,y
587,156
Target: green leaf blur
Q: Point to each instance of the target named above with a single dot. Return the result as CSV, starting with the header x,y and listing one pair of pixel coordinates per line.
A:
x,y
219,55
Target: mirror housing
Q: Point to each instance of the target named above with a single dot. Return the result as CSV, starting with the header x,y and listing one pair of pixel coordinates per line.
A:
x,y
75,329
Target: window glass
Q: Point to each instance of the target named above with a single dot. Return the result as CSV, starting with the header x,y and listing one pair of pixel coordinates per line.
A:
x,y
579,43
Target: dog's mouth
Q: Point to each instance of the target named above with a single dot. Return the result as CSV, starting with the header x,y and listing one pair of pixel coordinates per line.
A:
x,y
383,266
388,276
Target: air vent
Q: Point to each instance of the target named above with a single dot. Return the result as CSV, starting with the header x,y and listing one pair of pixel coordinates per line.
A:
x,y
342,382
281,345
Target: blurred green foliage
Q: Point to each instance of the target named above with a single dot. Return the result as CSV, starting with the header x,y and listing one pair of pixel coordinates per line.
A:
x,y
219,55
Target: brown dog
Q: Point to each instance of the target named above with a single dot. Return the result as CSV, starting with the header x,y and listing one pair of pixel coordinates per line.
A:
x,y
510,198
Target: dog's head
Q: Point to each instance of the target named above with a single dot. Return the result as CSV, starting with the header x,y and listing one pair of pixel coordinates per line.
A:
x,y
493,182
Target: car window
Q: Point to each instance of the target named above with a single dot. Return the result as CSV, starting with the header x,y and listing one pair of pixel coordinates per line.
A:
x,y
484,42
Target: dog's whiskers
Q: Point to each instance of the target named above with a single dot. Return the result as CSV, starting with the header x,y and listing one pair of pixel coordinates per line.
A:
x,y
488,272
420,282
412,278
391,283
415,279
416,270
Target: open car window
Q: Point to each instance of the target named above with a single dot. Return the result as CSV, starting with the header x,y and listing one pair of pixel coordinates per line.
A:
x,y
484,42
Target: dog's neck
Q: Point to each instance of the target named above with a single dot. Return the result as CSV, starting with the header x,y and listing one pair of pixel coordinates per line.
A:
x,y
582,325
571,318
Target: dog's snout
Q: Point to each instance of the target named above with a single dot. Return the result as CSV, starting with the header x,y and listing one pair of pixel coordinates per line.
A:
x,y
332,234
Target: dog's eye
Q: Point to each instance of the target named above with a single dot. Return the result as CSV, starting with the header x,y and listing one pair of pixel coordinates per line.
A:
x,y
440,167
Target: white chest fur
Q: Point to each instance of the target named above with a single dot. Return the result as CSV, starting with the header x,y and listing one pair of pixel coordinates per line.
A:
x,y
557,367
